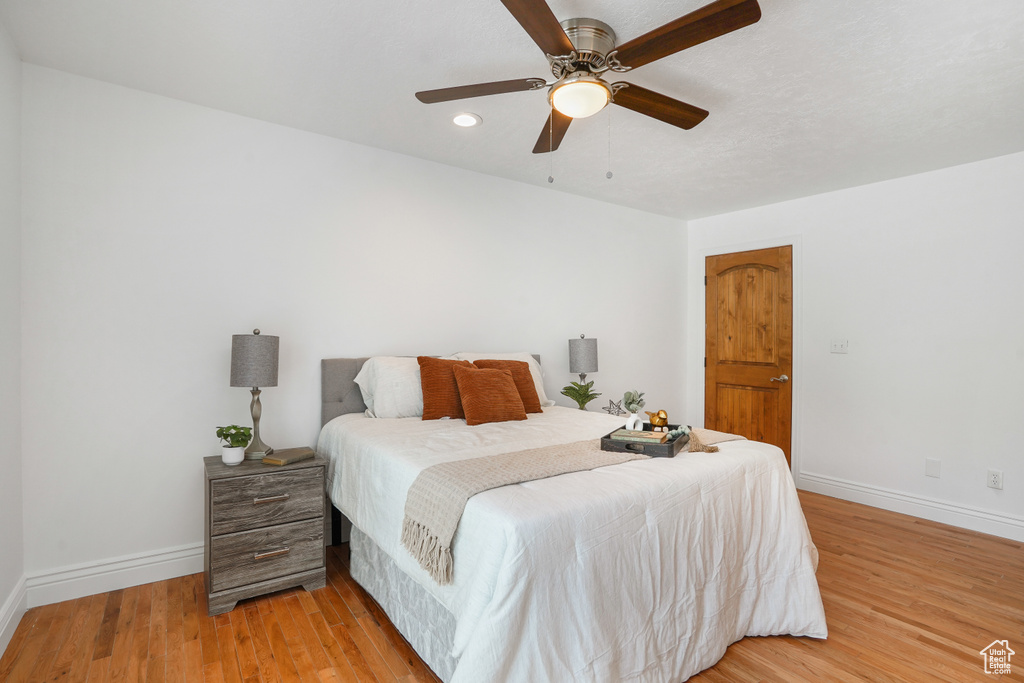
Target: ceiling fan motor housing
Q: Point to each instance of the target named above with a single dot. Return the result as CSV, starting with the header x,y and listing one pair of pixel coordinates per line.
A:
x,y
592,39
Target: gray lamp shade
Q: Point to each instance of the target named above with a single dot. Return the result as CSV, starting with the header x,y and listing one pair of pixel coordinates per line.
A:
x,y
582,356
254,360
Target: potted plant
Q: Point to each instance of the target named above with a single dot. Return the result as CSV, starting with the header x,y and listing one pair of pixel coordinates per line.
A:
x,y
581,393
633,401
235,440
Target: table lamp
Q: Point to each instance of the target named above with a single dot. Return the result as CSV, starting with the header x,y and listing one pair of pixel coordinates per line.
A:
x,y
254,365
582,357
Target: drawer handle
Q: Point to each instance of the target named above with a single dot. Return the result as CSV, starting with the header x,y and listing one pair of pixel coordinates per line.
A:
x,y
271,553
270,499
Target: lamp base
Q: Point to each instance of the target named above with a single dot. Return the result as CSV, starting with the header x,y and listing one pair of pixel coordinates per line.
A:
x,y
256,457
257,450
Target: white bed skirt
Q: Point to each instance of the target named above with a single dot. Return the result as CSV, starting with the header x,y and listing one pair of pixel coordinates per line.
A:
x,y
424,622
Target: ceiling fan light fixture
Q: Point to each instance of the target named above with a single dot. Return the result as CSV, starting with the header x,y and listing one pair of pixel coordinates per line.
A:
x,y
580,50
466,120
580,95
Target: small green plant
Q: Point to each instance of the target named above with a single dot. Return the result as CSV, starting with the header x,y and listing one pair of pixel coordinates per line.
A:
x,y
234,436
633,401
581,393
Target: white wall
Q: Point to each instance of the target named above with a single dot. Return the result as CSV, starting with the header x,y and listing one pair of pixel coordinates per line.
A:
x,y
156,229
923,276
12,596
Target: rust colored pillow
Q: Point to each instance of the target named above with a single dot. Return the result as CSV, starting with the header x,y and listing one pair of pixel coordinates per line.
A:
x,y
488,395
521,376
440,391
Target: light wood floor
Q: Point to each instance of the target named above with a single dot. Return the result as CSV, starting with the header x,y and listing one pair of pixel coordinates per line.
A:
x,y
906,600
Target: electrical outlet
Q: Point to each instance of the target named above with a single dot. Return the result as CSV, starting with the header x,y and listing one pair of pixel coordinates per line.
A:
x,y
840,346
995,479
932,467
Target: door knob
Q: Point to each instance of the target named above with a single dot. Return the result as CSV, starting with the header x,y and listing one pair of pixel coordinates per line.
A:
x,y
782,378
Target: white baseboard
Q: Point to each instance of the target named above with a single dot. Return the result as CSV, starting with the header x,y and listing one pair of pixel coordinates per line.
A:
x,y
76,581
955,514
11,611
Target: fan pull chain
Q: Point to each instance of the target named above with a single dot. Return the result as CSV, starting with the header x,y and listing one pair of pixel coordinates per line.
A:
x,y
551,142
609,174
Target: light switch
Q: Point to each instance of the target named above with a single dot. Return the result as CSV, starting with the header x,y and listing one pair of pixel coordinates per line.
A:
x,y
840,346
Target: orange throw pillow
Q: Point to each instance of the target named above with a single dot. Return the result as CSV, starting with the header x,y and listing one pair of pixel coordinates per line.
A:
x,y
489,395
440,391
521,376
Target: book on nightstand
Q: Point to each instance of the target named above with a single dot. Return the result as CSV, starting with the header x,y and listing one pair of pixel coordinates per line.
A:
x,y
287,456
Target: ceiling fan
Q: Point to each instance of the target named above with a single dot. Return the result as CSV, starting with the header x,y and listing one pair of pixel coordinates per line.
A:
x,y
581,50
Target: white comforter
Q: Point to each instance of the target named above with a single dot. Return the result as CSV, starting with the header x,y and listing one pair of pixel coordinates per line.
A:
x,y
644,571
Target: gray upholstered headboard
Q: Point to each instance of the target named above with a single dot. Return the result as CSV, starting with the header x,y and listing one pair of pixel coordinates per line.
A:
x,y
339,393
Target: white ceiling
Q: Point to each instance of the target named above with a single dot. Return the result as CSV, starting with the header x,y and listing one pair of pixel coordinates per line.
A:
x,y
816,96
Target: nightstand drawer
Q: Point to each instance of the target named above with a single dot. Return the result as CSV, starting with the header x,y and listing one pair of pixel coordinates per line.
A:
x,y
262,554
260,500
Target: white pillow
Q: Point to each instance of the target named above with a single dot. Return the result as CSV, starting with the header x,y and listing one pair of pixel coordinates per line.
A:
x,y
390,386
535,369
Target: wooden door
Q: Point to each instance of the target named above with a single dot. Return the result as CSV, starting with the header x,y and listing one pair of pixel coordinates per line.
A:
x,y
749,345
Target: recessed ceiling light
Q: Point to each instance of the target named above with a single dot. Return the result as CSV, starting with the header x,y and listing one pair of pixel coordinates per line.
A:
x,y
466,120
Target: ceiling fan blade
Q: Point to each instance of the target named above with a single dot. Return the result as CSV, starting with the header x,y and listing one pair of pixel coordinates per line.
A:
x,y
539,21
554,130
658,106
710,21
462,92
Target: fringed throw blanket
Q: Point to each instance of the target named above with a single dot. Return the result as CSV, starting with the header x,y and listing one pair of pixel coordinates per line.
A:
x,y
701,440
439,494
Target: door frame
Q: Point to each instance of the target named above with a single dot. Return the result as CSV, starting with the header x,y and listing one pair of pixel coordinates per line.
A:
x,y
696,334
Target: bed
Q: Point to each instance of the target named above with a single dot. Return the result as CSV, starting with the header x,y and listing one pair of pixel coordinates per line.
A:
x,y
642,571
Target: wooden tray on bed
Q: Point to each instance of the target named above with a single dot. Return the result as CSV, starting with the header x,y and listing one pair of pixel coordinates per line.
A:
x,y
667,449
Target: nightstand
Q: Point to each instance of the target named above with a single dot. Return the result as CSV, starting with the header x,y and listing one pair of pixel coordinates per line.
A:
x,y
265,527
